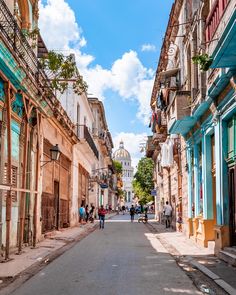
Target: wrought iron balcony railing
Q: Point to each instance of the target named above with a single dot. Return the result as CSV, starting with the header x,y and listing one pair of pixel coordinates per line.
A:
x,y
20,48
150,148
18,45
213,20
83,133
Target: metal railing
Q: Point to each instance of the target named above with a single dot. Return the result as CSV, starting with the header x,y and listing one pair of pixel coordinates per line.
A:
x,y
213,20
20,48
83,133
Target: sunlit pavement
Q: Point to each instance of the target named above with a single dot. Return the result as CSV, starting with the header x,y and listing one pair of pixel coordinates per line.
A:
x,y
124,258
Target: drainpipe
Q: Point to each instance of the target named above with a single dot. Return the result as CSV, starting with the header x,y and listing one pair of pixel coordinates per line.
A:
x,y
9,164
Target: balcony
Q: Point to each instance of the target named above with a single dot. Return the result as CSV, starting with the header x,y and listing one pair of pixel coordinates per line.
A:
x,y
221,34
21,66
27,71
214,18
159,138
179,113
84,134
150,147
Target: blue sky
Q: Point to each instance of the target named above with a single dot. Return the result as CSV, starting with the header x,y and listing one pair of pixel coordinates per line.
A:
x,y
117,45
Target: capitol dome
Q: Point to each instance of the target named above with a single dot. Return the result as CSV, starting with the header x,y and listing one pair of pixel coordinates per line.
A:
x,y
122,153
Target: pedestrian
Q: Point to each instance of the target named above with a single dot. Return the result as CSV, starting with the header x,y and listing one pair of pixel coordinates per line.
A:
x,y
86,213
123,209
92,214
101,214
81,214
179,221
146,215
167,213
132,212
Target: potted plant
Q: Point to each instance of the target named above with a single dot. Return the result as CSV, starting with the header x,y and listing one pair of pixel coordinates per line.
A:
x,y
204,60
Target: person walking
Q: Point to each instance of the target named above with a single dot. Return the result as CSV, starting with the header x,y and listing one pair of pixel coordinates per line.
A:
x,y
167,213
123,209
92,214
101,214
81,214
86,213
132,212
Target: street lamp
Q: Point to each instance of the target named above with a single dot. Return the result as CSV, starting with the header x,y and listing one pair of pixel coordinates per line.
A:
x,y
54,154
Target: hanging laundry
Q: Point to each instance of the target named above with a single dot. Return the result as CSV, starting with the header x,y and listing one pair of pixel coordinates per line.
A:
x,y
170,146
165,93
158,113
164,155
160,101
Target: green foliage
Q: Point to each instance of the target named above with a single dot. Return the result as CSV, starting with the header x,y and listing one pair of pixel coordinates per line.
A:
x,y
204,60
143,180
32,36
118,167
62,70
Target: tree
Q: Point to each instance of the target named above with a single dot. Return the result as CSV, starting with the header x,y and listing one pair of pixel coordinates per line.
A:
x,y
118,171
61,70
118,167
143,180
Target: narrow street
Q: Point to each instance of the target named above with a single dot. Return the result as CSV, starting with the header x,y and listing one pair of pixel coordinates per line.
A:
x,y
124,258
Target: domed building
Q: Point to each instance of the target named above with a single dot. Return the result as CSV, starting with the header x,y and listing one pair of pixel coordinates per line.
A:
x,y
123,156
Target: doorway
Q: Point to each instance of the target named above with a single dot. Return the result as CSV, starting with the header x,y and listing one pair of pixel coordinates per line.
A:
x,y
56,198
232,205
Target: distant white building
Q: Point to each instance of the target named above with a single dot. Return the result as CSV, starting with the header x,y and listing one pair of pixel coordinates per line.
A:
x,y
123,156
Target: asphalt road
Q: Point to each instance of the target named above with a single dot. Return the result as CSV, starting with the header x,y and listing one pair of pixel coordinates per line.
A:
x,y
123,259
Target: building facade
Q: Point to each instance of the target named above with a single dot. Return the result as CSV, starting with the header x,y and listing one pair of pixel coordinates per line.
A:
x,y
123,156
40,192
194,90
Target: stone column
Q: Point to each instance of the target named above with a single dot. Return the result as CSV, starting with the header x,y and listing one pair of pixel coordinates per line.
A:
x,y
207,177
190,196
196,179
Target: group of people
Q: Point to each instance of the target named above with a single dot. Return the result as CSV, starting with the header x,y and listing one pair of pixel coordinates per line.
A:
x,y
86,214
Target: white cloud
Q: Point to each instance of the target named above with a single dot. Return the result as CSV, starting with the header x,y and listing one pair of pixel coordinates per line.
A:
x,y
148,47
132,143
127,76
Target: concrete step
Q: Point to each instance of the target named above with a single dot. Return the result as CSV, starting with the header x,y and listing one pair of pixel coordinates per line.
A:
x,y
230,249
228,257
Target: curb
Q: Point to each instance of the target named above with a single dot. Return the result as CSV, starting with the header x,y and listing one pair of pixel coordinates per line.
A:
x,y
221,283
218,280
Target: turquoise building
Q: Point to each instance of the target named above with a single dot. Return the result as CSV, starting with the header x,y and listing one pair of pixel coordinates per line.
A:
x,y
209,128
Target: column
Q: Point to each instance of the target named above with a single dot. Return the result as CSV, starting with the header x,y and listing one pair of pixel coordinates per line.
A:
x,y
190,196
196,179
207,177
221,173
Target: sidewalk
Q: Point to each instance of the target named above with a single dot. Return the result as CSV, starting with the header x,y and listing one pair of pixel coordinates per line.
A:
x,y
199,257
44,250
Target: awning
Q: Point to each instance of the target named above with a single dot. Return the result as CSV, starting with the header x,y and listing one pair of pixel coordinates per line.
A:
x,y
169,73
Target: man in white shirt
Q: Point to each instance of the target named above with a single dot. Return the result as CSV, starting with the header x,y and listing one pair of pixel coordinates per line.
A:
x,y
167,210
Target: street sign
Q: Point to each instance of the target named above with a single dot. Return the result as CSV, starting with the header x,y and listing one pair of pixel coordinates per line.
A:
x,y
153,192
103,185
